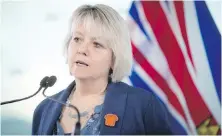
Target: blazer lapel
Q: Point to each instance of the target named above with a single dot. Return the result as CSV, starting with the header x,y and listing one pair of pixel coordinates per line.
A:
x,y
53,111
114,103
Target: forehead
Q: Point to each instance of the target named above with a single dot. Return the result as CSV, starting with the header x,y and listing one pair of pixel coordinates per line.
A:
x,y
92,33
93,28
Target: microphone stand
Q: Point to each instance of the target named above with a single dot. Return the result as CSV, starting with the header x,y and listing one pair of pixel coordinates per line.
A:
x,y
16,100
42,84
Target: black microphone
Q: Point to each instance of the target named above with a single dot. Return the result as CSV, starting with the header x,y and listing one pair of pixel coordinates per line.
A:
x,y
42,84
49,83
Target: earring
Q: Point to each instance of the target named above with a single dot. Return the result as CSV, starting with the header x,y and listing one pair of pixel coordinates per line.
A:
x,y
110,75
110,71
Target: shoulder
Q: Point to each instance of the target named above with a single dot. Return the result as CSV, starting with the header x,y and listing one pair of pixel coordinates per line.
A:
x,y
131,89
139,94
46,101
39,111
147,107
138,98
147,98
154,112
43,104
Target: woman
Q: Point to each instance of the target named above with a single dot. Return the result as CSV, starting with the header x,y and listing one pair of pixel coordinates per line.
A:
x,y
99,56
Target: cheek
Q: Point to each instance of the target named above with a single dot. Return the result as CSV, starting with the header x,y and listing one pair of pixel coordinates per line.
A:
x,y
103,61
70,50
70,54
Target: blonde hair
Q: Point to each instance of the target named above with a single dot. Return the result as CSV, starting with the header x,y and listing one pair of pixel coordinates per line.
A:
x,y
112,25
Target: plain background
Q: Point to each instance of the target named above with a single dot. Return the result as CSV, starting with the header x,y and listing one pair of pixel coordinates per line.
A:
x,y
32,34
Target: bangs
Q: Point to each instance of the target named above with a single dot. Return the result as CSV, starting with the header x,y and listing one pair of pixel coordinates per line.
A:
x,y
95,24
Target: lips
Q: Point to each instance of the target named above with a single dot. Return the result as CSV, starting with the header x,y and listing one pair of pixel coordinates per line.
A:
x,y
79,62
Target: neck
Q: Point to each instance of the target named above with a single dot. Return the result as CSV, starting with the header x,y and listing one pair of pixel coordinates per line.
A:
x,y
86,87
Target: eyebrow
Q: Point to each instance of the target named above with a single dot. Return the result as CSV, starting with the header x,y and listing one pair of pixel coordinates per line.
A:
x,y
92,38
96,38
78,33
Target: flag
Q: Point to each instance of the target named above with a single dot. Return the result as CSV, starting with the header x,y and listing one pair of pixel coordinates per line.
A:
x,y
177,55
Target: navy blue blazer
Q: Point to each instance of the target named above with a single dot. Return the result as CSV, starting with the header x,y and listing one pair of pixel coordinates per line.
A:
x,y
139,112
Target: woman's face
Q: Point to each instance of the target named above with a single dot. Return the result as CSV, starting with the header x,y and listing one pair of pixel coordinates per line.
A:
x,y
89,57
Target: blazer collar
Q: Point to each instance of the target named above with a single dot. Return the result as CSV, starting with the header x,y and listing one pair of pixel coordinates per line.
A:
x,y
53,111
114,103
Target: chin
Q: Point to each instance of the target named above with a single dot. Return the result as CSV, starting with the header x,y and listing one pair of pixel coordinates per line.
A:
x,y
81,76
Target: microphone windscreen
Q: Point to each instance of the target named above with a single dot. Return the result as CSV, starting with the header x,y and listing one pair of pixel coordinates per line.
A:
x,y
51,81
43,81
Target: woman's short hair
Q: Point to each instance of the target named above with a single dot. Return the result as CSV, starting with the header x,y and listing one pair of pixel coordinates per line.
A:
x,y
111,25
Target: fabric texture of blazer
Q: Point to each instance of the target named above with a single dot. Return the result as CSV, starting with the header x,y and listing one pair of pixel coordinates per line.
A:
x,y
139,112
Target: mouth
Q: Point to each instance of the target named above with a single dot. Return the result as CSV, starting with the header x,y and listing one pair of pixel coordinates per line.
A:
x,y
81,63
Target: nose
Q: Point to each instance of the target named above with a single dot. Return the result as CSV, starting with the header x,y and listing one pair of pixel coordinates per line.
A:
x,y
83,49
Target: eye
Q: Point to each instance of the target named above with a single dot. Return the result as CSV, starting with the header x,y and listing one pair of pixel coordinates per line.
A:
x,y
76,39
97,45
